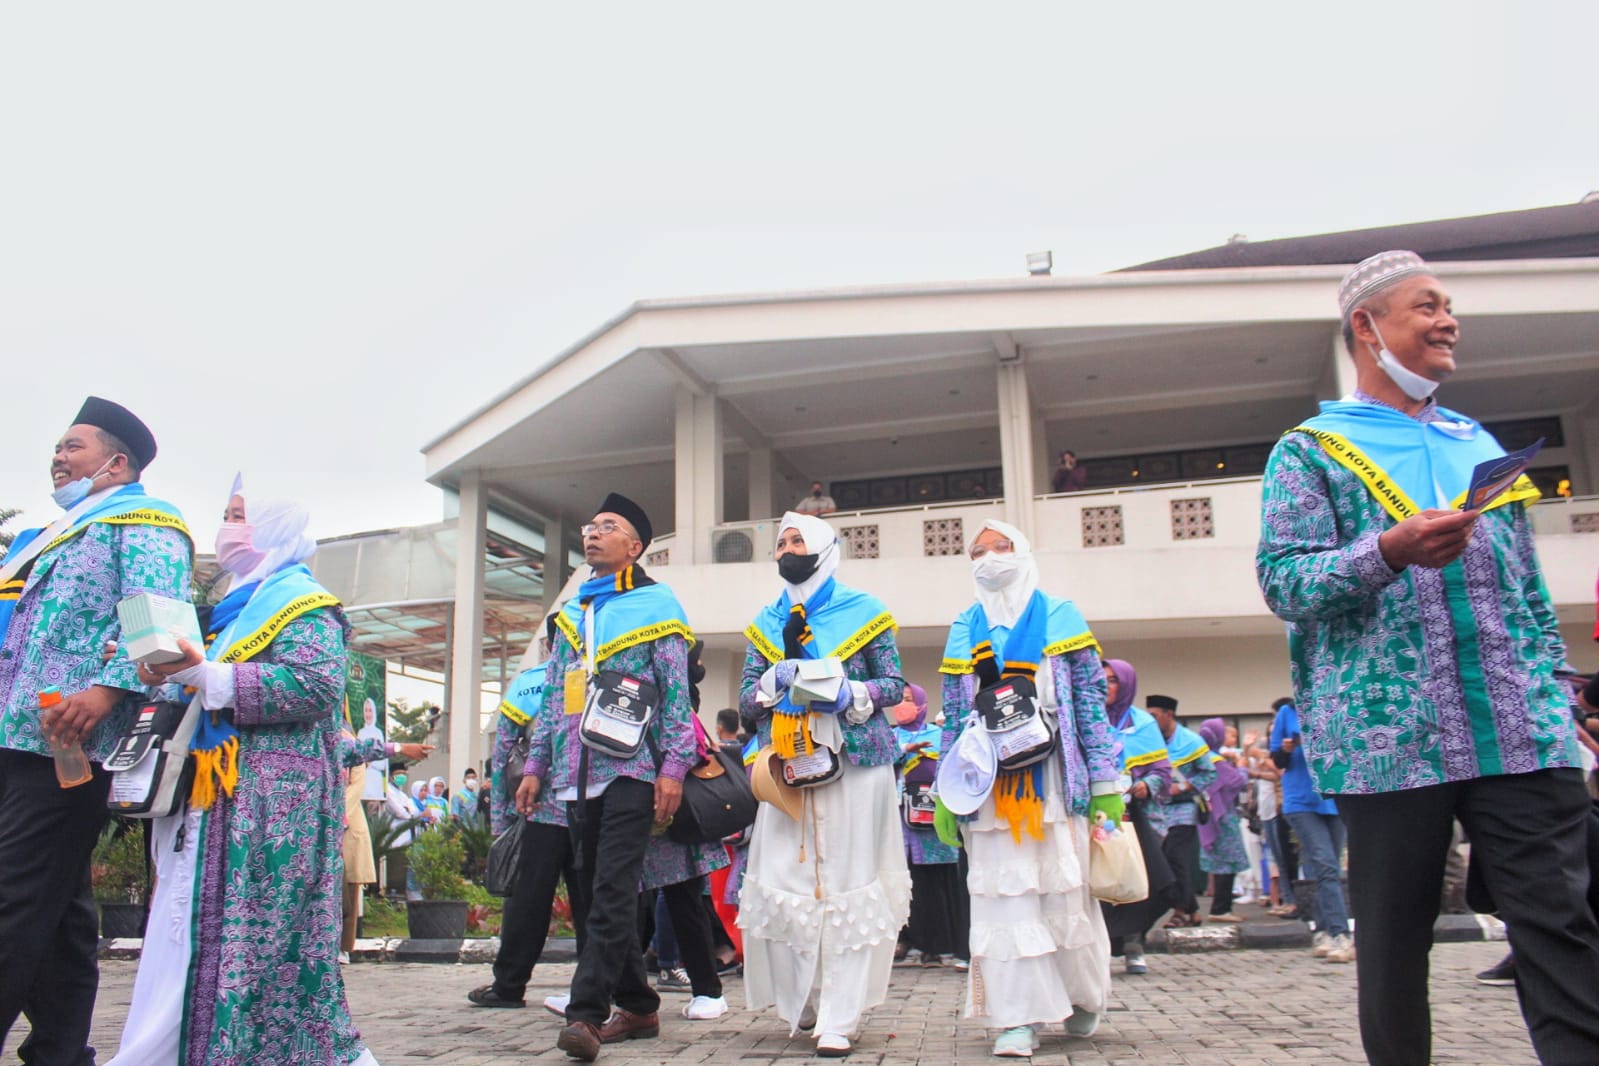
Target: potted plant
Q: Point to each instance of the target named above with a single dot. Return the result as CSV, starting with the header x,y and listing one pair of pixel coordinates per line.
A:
x,y
435,860
118,874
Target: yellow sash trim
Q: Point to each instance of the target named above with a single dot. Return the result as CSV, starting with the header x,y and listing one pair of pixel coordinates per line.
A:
x,y
642,635
1522,489
517,716
1391,496
863,636
1071,644
773,653
131,518
1192,758
1147,758
248,647
1060,647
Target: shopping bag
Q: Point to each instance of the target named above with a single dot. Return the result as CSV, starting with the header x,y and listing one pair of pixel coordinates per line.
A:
x,y
1115,865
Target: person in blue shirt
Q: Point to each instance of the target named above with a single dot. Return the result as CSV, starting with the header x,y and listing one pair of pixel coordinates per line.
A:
x,y
1314,819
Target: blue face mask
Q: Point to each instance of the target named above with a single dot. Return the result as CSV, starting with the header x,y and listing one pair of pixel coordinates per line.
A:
x,y
73,493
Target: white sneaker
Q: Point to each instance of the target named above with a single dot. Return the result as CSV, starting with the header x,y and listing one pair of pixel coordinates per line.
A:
x,y
344,958
556,1005
705,1008
807,1018
1017,1043
832,1045
1340,948
1320,944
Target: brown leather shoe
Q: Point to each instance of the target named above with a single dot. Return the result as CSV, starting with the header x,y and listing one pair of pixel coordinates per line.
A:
x,y
580,1040
625,1025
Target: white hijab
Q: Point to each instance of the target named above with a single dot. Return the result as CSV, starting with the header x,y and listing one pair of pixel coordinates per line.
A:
x,y
277,531
1013,577
820,541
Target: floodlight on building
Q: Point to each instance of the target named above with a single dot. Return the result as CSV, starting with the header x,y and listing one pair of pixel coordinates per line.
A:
x,y
1039,264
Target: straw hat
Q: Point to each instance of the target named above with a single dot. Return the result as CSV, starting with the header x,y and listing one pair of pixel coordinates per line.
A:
x,y
766,778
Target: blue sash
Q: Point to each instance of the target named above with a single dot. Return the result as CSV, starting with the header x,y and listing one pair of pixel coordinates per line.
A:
x,y
1409,466
525,698
127,506
284,595
1185,747
841,620
1139,740
1063,630
626,612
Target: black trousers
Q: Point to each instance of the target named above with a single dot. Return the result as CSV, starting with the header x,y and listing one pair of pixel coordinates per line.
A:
x,y
935,908
1181,848
547,859
610,834
1529,839
693,931
1221,902
49,926
1130,921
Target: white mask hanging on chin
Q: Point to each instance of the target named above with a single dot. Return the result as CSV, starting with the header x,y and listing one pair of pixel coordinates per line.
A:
x,y
1410,383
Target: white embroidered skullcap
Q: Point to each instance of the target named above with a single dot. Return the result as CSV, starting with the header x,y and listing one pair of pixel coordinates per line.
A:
x,y
1374,274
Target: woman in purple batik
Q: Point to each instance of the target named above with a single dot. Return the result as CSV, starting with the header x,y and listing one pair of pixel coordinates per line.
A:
x,y
240,960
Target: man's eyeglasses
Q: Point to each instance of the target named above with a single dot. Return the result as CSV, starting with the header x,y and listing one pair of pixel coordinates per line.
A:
x,y
604,529
1000,546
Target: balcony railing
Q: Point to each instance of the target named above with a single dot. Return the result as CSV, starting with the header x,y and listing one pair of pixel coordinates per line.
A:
x,y
1221,512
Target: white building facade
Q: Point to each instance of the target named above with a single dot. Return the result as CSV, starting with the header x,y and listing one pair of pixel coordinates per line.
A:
x,y
928,408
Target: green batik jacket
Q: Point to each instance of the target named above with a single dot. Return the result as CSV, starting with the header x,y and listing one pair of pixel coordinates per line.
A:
x,y
1416,678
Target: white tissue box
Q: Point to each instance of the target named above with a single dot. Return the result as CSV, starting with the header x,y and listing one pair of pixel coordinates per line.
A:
x,y
817,680
152,626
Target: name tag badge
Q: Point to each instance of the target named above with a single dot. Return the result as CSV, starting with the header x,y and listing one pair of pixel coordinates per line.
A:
x,y
577,691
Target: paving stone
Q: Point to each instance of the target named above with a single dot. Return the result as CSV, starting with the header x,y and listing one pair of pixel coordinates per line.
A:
x,y
1238,1008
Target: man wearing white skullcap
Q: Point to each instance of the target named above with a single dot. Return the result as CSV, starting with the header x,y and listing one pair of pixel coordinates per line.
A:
x,y
1424,650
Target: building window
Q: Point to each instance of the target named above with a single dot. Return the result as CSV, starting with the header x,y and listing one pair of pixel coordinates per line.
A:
x,y
660,558
860,541
1102,527
1585,523
1191,519
943,536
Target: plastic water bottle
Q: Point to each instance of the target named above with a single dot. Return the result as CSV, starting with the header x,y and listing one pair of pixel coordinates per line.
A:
x,y
72,765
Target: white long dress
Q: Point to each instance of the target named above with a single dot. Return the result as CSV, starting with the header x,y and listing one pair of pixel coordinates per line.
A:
x,y
1039,947
821,929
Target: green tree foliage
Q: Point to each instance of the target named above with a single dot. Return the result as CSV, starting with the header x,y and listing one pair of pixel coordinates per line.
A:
x,y
411,725
6,515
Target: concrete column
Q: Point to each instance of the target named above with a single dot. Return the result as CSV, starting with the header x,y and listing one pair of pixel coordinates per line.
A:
x,y
1043,461
760,486
698,470
463,693
1016,444
555,571
1338,375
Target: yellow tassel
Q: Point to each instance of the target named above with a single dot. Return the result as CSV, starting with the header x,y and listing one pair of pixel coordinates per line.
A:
x,y
204,791
1024,811
228,768
788,733
216,773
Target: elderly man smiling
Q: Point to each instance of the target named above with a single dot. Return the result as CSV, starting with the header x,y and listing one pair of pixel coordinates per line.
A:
x,y
1423,647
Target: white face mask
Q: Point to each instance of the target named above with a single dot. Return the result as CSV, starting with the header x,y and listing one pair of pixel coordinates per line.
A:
x,y
1410,383
73,493
996,570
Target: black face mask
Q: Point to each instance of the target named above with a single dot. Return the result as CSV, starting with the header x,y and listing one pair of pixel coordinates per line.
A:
x,y
797,569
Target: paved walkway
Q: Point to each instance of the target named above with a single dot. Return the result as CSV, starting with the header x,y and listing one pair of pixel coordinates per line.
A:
x,y
1277,1007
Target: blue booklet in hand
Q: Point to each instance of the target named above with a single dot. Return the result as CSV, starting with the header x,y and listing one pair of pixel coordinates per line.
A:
x,y
1494,476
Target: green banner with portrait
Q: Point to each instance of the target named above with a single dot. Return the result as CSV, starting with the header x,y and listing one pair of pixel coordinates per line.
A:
x,y
365,688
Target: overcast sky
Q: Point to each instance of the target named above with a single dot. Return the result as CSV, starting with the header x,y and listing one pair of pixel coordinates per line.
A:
x,y
302,239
